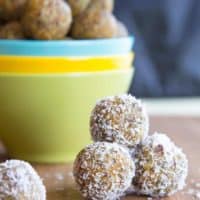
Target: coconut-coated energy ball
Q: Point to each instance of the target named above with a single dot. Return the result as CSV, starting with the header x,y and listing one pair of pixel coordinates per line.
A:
x,y
94,24
47,19
121,119
12,30
103,171
11,9
19,181
161,167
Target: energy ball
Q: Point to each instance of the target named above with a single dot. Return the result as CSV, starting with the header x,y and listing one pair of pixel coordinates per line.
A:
x,y
11,9
12,30
47,19
103,171
78,6
106,5
121,119
122,30
19,181
161,167
94,24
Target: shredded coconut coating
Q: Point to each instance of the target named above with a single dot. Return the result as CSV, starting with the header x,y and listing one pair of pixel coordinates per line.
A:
x,y
103,171
161,167
121,119
19,181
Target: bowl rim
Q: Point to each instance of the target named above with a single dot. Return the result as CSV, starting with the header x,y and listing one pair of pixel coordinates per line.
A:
x,y
66,42
43,65
69,74
68,58
67,47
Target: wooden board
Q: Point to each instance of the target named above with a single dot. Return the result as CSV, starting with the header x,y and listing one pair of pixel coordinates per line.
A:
x,y
183,130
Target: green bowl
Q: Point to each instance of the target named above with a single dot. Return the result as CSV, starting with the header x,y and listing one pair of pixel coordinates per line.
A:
x,y
45,118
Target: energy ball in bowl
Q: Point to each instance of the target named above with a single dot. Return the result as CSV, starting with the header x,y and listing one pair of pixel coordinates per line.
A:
x,y
12,30
122,30
18,180
47,19
94,24
121,119
161,167
106,5
11,9
103,171
78,6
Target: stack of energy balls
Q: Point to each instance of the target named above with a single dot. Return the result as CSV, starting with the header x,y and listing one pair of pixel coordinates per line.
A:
x,y
124,157
59,19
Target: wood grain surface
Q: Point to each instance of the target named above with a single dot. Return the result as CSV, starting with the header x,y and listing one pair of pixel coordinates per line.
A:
x,y
185,131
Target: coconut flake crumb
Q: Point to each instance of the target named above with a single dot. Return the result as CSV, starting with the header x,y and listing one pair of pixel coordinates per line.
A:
x,y
59,176
70,174
60,189
190,191
46,175
194,193
197,195
194,190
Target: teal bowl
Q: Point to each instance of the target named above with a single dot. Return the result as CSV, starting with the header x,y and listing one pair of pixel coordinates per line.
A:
x,y
100,47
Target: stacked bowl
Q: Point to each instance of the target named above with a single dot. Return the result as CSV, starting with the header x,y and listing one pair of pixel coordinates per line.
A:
x,y
48,88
